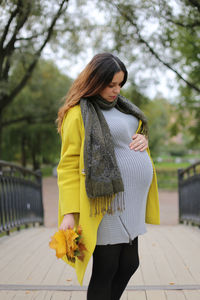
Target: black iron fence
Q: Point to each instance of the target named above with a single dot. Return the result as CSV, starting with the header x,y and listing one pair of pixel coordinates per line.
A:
x,y
20,197
189,194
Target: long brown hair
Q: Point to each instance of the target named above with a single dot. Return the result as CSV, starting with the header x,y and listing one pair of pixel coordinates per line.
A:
x,y
91,81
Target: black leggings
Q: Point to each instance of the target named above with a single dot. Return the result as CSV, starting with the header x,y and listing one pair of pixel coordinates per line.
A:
x,y
113,266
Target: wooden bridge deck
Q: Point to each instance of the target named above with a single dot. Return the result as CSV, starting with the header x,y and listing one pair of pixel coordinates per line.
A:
x,y
169,267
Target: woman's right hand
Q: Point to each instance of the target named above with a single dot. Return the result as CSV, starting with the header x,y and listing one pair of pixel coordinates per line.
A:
x,y
67,222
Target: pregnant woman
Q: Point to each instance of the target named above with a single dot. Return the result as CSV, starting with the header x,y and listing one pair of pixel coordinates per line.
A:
x,y
106,177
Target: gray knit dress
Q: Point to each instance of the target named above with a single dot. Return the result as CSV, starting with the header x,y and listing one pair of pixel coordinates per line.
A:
x,y
137,173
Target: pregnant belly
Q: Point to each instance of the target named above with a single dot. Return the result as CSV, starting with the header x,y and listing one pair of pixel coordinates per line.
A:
x,y
135,167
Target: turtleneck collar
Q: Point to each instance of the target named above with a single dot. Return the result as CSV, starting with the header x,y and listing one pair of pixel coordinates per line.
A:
x,y
103,103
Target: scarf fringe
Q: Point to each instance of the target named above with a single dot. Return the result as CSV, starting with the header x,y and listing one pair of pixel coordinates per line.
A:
x,y
107,204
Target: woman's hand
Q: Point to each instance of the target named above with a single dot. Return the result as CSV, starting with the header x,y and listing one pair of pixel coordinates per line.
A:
x,y
67,222
140,142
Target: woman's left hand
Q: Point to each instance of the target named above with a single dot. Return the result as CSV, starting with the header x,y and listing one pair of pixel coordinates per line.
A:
x,y
140,142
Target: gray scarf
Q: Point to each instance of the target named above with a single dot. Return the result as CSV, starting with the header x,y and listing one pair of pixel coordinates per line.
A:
x,y
103,179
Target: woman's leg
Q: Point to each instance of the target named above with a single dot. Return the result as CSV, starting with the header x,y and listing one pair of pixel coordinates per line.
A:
x,y
105,265
128,264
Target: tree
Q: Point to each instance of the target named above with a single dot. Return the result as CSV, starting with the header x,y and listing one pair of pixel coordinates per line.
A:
x,y
26,28
157,35
30,134
133,94
157,112
128,24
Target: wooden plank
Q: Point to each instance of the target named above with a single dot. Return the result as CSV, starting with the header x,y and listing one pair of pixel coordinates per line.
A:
x,y
79,296
192,232
163,270
62,296
149,273
17,237
54,273
192,295
54,287
175,295
137,295
173,258
68,276
36,267
31,263
11,250
47,296
187,250
13,266
38,273
155,295
6,296
24,295
39,295
23,240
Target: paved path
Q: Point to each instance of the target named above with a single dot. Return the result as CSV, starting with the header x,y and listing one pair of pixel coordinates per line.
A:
x,y
169,260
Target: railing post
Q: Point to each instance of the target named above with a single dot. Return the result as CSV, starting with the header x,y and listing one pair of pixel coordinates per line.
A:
x,y
20,197
41,209
189,194
180,177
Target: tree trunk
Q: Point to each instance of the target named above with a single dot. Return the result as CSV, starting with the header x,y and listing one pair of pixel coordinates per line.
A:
x,y
36,164
23,151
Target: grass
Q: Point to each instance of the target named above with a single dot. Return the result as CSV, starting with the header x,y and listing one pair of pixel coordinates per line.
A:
x,y
46,171
171,165
167,174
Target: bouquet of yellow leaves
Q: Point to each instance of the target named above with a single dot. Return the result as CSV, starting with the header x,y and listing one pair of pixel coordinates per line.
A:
x,y
68,243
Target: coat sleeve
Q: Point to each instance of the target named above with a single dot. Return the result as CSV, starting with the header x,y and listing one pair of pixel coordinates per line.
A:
x,y
68,167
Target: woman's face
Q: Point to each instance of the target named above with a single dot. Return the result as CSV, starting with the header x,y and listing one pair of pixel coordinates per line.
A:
x,y
113,89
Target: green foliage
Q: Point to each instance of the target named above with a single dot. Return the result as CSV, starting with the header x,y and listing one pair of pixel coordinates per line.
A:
x,y
167,174
176,150
167,179
133,94
183,37
35,139
155,35
27,27
157,112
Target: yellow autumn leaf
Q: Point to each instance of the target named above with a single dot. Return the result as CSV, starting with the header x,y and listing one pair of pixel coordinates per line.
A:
x,y
66,243
58,243
70,235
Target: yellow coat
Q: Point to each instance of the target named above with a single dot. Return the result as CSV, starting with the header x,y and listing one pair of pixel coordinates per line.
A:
x,y
72,193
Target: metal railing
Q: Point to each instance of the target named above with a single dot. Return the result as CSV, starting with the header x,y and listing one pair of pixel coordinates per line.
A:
x,y
20,197
189,194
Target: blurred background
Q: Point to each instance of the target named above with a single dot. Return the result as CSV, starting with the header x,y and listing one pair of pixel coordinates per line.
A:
x,y
45,44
